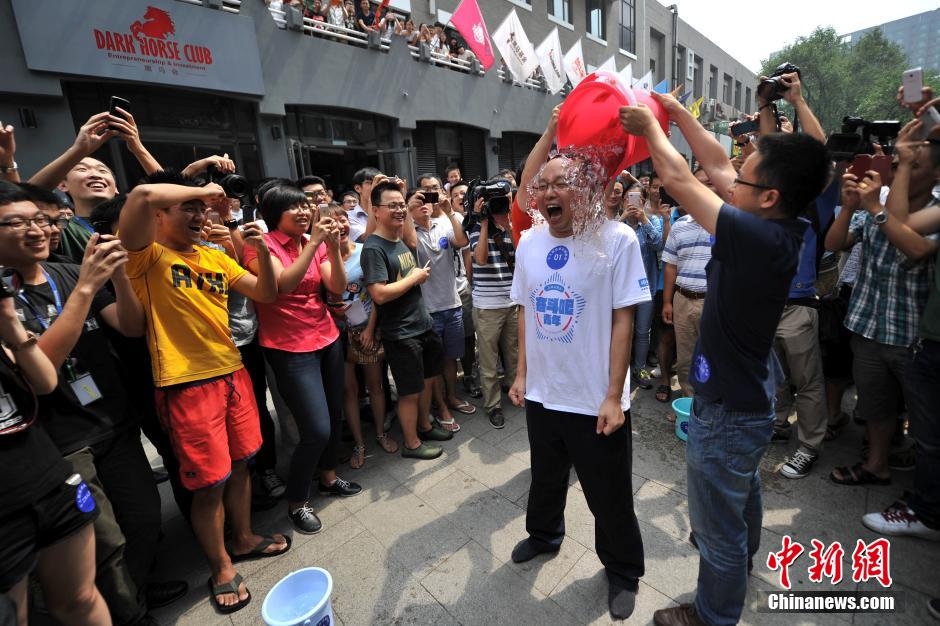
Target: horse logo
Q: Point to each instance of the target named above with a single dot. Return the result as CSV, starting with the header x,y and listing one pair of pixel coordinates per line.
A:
x,y
157,24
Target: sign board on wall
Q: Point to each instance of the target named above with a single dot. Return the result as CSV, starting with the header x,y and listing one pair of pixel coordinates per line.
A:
x,y
153,41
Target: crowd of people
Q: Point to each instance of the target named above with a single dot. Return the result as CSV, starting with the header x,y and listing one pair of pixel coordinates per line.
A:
x,y
174,308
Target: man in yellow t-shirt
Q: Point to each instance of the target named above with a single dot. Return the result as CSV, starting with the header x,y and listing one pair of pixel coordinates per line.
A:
x,y
204,396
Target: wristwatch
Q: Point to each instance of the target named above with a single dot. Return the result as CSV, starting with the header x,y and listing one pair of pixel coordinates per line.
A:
x,y
9,168
31,340
880,217
230,224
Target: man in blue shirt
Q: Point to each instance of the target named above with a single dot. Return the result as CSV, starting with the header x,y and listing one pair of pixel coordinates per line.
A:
x,y
734,371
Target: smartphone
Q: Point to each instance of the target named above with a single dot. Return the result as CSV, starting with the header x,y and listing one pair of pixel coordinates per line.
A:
x,y
635,198
213,217
930,119
882,164
665,198
913,82
860,164
431,197
124,104
743,128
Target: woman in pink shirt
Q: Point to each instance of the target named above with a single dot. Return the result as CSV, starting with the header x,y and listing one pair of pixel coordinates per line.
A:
x,y
301,342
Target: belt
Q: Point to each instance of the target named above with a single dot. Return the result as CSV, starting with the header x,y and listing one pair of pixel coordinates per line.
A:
x,y
810,301
691,295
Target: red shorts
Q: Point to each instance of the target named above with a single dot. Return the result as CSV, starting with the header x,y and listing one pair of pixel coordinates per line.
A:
x,y
211,425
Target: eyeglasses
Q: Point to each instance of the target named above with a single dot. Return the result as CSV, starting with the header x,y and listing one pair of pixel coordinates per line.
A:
x,y
395,206
561,185
61,222
431,188
19,223
740,181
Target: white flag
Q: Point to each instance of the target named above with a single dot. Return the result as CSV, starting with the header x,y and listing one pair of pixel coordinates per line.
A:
x,y
574,64
645,83
550,60
515,48
610,65
626,75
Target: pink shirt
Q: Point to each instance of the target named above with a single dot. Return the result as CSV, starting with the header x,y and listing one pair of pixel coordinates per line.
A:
x,y
298,321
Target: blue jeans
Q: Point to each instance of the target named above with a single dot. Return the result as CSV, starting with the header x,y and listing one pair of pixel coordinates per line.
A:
x,y
312,385
723,458
922,392
642,322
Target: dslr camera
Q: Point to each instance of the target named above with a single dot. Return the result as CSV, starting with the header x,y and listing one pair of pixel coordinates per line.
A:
x,y
495,195
850,142
235,186
772,89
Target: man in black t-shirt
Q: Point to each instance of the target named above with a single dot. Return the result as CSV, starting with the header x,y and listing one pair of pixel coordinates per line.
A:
x,y
412,348
88,417
734,371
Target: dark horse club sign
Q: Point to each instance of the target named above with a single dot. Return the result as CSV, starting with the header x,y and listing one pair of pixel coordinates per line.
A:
x,y
150,41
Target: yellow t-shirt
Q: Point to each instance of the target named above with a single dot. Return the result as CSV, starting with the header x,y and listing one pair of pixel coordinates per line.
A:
x,y
185,298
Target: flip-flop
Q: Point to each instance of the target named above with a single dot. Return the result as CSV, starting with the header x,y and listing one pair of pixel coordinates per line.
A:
x,y
464,407
258,552
450,425
663,389
856,475
229,587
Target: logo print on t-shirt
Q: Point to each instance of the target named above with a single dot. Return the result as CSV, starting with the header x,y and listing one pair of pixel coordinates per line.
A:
x,y
443,243
557,257
84,501
558,309
184,278
703,370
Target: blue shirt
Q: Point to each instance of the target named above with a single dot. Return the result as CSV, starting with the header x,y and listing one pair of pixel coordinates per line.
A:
x,y
753,261
804,283
650,238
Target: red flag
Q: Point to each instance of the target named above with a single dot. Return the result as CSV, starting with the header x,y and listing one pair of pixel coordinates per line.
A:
x,y
378,12
468,20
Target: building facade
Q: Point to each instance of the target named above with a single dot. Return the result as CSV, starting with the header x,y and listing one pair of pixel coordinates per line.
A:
x,y
919,35
285,96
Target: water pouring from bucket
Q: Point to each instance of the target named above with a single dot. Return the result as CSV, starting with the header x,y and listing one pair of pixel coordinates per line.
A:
x,y
590,117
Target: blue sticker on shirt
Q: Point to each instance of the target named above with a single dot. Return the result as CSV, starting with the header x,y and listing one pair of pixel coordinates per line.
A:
x,y
83,499
644,284
711,240
557,308
703,370
443,243
557,257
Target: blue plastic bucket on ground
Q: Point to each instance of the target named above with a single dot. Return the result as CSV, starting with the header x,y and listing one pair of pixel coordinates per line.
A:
x,y
301,598
682,408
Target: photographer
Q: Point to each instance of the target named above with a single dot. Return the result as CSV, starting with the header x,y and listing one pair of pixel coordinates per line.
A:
x,y
785,83
494,314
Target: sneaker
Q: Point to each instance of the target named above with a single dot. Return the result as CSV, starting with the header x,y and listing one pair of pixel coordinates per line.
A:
x,y
642,379
435,433
272,483
902,460
496,417
656,372
798,465
899,521
425,451
340,487
780,435
305,520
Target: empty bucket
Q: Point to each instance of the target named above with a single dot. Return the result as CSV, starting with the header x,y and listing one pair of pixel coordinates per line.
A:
x,y
301,598
682,408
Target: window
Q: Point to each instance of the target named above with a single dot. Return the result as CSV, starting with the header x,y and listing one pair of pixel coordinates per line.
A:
x,y
747,100
596,20
737,95
713,82
560,9
628,25
726,90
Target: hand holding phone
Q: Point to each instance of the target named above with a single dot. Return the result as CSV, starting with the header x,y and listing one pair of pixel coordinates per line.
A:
x,y
113,107
913,82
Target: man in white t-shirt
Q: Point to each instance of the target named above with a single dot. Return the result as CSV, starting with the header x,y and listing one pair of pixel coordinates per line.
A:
x,y
577,298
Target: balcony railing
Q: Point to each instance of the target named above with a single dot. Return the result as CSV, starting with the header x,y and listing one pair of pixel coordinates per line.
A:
x,y
229,6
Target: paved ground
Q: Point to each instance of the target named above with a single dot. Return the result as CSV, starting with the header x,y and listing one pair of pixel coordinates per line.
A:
x,y
429,542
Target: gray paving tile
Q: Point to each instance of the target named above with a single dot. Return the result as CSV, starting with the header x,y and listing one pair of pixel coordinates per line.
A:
x,y
663,508
493,467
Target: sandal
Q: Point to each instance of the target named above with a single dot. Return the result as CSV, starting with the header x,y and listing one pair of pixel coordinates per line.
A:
x,y
664,393
389,445
856,475
229,587
450,425
258,552
358,458
464,407
833,430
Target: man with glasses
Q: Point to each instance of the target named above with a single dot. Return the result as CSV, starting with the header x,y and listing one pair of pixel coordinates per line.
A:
x,y
412,349
753,217
52,206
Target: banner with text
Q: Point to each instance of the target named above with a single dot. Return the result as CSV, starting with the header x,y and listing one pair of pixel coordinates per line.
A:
x,y
550,60
468,20
574,64
515,48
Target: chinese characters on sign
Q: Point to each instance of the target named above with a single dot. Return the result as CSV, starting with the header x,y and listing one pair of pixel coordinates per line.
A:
x,y
870,561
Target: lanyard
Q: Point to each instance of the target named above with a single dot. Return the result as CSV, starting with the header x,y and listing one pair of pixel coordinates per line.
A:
x,y
81,222
41,320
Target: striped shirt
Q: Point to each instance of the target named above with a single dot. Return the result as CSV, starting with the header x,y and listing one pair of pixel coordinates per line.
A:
x,y
492,282
890,290
689,248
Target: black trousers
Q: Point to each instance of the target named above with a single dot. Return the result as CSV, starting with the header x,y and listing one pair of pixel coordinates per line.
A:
x,y
558,440
253,359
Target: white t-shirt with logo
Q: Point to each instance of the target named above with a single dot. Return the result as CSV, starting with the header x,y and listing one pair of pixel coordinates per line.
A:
x,y
569,290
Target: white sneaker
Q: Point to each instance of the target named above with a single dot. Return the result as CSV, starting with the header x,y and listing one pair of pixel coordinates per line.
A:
x,y
273,484
899,521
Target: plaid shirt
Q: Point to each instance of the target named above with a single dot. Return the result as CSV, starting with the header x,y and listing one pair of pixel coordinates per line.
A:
x,y
890,291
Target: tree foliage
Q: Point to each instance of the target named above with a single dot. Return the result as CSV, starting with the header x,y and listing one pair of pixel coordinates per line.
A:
x,y
841,79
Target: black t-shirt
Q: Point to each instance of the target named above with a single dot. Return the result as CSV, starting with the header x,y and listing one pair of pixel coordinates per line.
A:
x,y
753,262
30,464
71,425
385,261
